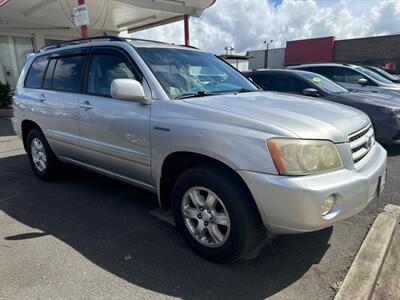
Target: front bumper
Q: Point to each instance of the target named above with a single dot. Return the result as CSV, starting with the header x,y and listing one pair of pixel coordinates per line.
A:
x,y
293,204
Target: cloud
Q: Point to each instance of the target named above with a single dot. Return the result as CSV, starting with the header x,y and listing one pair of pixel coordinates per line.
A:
x,y
245,24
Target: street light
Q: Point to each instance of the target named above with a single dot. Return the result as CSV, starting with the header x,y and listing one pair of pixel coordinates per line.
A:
x,y
266,54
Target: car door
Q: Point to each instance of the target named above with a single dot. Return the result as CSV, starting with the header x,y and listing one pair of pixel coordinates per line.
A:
x,y
56,107
114,134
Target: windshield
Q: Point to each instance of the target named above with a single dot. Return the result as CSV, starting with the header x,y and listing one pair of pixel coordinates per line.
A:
x,y
324,83
386,74
374,75
183,72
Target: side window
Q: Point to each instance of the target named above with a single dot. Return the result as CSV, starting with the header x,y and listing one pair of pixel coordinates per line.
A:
x,y
104,68
68,73
340,74
289,84
353,76
346,75
48,77
35,75
264,81
324,71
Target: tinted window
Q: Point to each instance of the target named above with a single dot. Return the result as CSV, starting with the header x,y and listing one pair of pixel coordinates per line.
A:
x,y
35,75
325,71
49,74
104,68
265,81
289,84
68,73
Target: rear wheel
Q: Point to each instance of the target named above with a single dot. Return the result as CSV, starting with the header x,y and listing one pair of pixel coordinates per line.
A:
x,y
215,214
43,161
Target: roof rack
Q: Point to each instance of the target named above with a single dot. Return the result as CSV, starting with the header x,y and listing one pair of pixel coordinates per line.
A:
x,y
78,41
110,38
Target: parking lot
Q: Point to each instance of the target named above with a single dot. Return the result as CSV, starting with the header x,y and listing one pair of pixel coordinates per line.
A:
x,y
88,236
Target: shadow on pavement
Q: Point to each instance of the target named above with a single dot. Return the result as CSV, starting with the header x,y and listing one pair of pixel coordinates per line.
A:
x,y
108,223
392,150
6,127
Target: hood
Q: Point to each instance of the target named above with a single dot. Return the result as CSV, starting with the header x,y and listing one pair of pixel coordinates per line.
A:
x,y
375,99
305,117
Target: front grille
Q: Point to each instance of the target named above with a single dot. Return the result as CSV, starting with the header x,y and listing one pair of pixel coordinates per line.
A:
x,y
361,143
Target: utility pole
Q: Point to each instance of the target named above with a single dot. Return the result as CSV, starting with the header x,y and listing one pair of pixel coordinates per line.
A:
x,y
186,28
266,54
84,28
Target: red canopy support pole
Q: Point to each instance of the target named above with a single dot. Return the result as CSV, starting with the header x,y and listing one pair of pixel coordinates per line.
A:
x,y
186,27
84,28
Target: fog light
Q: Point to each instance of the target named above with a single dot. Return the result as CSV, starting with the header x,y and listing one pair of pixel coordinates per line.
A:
x,y
327,205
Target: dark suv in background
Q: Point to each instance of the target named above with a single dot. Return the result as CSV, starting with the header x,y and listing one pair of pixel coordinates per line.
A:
x,y
383,110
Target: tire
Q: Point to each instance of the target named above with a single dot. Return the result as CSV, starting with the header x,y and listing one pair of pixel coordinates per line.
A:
x,y
241,231
42,159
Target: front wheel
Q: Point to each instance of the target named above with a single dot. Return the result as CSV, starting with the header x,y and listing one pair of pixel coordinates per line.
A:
x,y
215,214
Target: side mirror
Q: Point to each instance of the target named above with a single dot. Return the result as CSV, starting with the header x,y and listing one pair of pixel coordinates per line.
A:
x,y
127,89
362,81
310,92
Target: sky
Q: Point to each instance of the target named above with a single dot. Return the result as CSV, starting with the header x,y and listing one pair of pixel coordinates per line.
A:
x,y
245,24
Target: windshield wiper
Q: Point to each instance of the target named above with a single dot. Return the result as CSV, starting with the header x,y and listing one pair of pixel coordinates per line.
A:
x,y
196,94
243,90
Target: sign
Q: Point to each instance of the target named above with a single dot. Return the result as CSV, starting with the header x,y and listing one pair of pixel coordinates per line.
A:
x,y
81,15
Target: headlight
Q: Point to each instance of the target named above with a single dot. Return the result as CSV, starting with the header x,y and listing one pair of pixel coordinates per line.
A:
x,y
303,157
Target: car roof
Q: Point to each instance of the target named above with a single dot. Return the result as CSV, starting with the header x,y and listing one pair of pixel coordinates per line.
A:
x,y
323,65
276,71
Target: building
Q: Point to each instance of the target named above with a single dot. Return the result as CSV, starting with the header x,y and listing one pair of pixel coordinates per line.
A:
x,y
240,62
258,60
28,25
379,51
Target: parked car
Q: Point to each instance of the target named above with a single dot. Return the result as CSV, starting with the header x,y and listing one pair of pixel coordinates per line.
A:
x,y
383,110
352,77
230,160
383,73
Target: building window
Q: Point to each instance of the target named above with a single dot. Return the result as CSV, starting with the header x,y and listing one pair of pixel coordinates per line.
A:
x,y
13,53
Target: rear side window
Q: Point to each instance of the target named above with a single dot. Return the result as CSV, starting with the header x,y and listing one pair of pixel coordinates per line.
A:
x,y
35,75
325,71
104,68
68,73
265,81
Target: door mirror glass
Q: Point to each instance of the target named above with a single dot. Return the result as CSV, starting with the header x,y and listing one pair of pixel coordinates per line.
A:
x,y
127,89
362,81
311,92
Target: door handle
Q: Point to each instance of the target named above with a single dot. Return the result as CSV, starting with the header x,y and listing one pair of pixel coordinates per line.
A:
x,y
42,98
86,105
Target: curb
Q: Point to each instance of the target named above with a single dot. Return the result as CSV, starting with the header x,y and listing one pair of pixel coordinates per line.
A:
x,y
363,274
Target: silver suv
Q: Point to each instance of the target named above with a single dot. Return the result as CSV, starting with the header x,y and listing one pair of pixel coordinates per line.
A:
x,y
233,162
353,77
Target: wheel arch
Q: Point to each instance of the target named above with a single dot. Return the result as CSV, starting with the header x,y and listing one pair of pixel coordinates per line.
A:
x,y
26,127
178,162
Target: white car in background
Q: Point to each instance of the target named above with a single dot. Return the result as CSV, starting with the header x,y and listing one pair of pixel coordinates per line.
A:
x,y
353,77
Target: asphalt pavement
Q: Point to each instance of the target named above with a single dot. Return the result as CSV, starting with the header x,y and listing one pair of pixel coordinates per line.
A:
x,y
86,236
